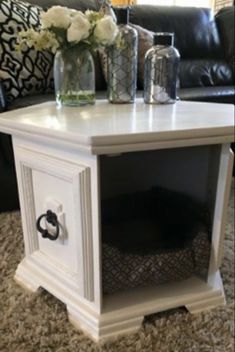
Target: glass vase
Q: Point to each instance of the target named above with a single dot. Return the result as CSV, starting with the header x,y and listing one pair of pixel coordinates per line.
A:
x,y
74,77
122,62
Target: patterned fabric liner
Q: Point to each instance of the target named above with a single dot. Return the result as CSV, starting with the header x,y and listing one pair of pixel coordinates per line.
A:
x,y
122,271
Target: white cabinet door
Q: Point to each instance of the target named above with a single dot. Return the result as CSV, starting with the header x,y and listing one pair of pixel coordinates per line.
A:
x,y
64,187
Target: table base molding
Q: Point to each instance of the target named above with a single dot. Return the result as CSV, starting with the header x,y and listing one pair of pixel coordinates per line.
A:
x,y
119,316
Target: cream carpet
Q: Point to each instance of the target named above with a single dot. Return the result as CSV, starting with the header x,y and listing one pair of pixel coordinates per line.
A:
x,y
38,322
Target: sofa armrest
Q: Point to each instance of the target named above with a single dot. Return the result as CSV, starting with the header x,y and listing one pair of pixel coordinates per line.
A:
x,y
225,22
3,100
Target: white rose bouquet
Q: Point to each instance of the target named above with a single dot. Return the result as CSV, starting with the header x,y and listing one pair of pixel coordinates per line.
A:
x,y
72,35
62,28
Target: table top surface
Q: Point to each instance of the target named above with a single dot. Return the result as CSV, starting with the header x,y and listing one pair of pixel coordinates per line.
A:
x,y
104,125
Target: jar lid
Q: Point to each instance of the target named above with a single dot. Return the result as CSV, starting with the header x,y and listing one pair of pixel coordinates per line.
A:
x,y
163,38
122,14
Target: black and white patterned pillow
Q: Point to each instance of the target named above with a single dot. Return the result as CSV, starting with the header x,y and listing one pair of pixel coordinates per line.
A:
x,y
28,72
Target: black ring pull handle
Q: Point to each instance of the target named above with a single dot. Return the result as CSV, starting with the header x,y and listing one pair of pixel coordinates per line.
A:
x,y
51,218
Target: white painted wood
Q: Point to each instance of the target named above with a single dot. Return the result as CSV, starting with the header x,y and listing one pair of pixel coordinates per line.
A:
x,y
71,184
55,152
74,157
148,300
223,193
25,187
37,270
212,177
91,326
209,302
221,204
123,312
205,304
26,279
109,128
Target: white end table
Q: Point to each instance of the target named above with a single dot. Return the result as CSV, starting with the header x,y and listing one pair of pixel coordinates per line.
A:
x,y
68,159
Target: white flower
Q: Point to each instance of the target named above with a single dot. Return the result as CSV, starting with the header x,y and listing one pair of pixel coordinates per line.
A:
x,y
73,12
106,30
79,28
56,16
43,40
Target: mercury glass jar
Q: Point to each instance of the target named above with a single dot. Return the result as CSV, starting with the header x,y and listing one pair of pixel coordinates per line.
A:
x,y
161,70
74,77
122,62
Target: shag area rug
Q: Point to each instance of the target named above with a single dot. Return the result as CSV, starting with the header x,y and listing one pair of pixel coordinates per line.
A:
x,y
38,322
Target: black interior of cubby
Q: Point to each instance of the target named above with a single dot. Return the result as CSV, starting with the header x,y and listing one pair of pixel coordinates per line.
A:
x,y
154,203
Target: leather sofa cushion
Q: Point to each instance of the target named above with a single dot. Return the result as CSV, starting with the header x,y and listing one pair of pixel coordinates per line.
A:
x,y
204,73
196,34
192,73
222,94
225,22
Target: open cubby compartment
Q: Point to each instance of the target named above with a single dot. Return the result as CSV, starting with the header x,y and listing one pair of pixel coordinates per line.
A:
x,y
142,191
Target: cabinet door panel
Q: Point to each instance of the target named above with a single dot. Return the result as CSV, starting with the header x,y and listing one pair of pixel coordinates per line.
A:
x,y
65,251
64,187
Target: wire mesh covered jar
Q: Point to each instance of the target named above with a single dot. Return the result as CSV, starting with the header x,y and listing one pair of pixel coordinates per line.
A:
x,y
122,62
161,70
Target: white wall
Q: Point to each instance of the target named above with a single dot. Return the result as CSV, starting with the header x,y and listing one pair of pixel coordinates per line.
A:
x,y
197,3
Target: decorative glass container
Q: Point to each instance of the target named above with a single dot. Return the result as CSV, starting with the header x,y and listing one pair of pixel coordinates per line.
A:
x,y
161,70
106,9
122,62
74,77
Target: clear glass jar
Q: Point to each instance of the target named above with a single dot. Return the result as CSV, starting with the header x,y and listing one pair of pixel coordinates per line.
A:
x,y
74,77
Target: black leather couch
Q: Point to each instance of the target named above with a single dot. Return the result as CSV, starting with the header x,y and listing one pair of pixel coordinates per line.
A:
x,y
206,45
